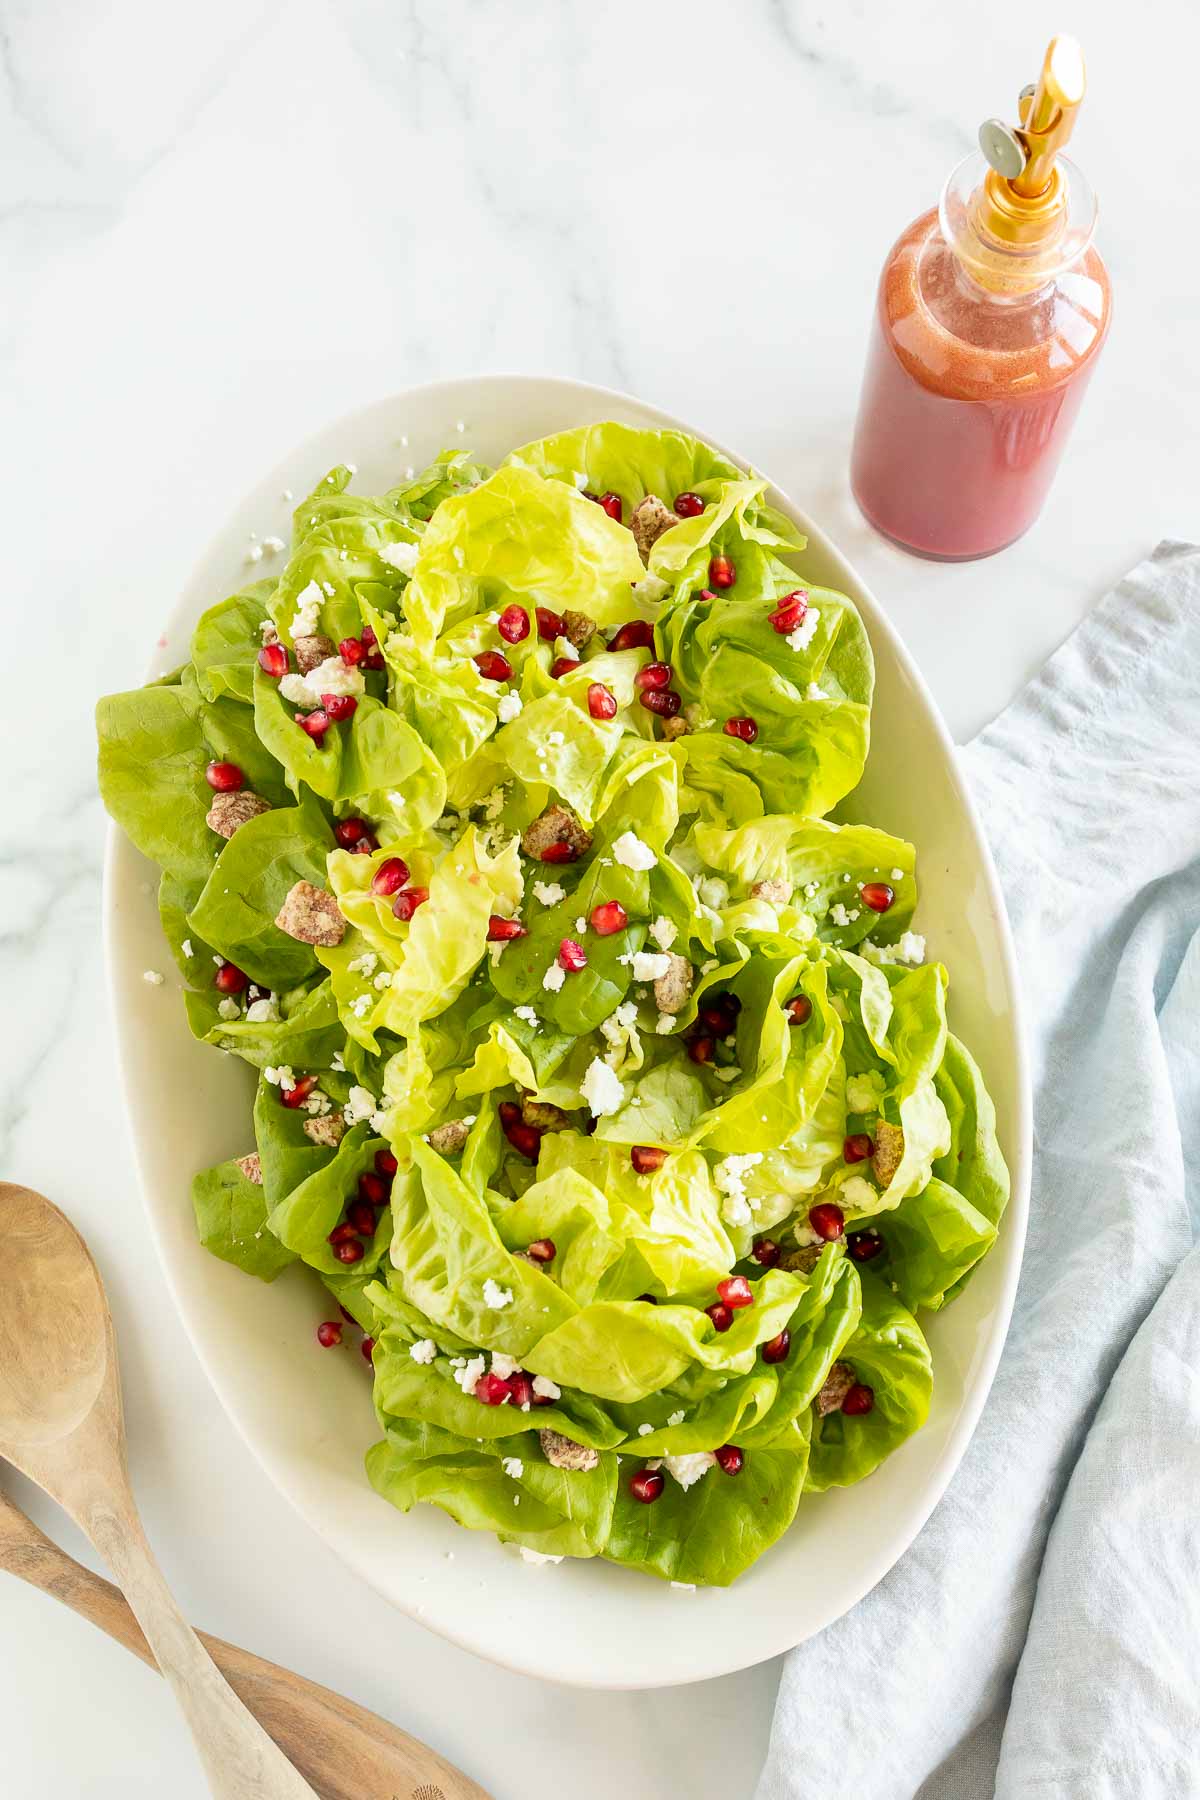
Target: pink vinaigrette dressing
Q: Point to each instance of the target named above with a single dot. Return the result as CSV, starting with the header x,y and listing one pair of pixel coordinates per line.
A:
x,y
991,312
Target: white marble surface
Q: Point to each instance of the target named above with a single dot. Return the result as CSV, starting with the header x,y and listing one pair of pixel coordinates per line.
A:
x,y
220,226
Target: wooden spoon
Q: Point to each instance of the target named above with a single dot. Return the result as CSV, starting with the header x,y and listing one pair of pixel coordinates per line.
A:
x,y
61,1424
346,1752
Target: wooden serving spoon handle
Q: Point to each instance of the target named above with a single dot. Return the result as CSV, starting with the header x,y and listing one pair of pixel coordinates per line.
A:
x,y
342,1750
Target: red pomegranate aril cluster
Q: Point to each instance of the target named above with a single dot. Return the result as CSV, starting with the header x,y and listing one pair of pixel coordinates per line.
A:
x,y
766,1253
721,572
526,1139
602,702
799,1010
571,956
635,634
373,1187
560,852
339,706
389,877
878,895
689,505
360,1216
542,1250
513,624
609,917
731,1459
341,1234
859,1400
653,675
492,1390
273,660
315,723
350,1252
721,1315
719,1014
856,1149
329,1334
745,729
407,901
647,1485
789,613
549,624
352,651
827,1220
229,979
493,665
367,1347
613,505
663,701
777,1349
563,665
503,931
702,1047
646,1158
735,1291
385,1164
223,777
864,1246
372,654
298,1093
350,833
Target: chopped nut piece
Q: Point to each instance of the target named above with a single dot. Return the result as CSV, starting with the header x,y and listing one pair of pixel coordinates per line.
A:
x,y
889,1151
312,650
673,988
578,628
802,1261
311,916
776,888
448,1139
564,1453
648,520
840,1379
228,811
327,1131
251,1167
542,1116
557,825
675,728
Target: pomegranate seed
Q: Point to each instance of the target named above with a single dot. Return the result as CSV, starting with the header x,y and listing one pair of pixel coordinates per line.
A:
x,y
352,651
878,895
362,1217
224,778
509,1113
373,1189
229,979
502,931
721,1315
746,729
369,640
766,1253
612,505
365,845
542,1250
351,1252
520,1390
367,1346
602,702
653,675
736,1291
860,1399
407,901
647,1485
864,1246
342,1234
610,916
777,1349
492,1390
385,1164
701,1048
561,852
646,1158
316,723
827,1220
374,660
571,956
799,1010
562,665
707,594
790,612
720,1014
390,876
348,1316
730,1459
721,572
298,1093
340,706
329,1334
348,831
526,1139
689,505
273,660
857,1148
513,624
493,665
635,634
549,624
663,701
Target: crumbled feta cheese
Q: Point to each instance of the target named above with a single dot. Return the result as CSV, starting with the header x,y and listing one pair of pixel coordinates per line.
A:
x,y
470,1373
186,947
666,1023
308,612
512,1466
318,1103
566,649
493,803
366,964
282,1077
728,1074
631,853
813,692
254,553
153,977
554,977
684,1587
556,739
262,1012
645,1430
332,676
528,1014
229,1009
381,981
545,1389
423,1351
361,1104
537,1556
910,949
897,874
496,1297
858,1194
508,706
503,1366
272,545
601,1089
677,1418
864,1092
647,965
839,915
730,1177
688,1470
663,932
335,1062
713,892
802,637
401,556
361,1007
549,892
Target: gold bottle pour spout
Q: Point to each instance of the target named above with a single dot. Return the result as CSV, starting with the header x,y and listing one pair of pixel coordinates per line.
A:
x,y
1022,205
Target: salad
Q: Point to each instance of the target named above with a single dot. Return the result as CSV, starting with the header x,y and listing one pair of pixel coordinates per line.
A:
x,y
601,1077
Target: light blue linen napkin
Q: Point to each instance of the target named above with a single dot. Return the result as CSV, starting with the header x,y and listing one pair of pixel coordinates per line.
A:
x,y
1042,1636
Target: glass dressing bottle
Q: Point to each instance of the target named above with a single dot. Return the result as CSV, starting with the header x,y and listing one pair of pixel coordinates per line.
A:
x,y
992,309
